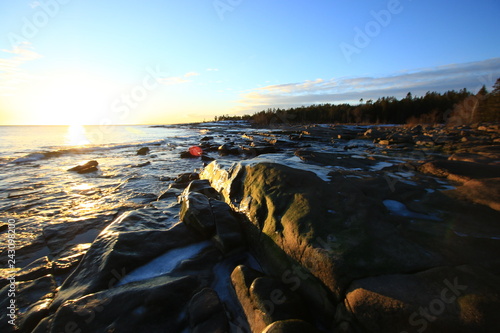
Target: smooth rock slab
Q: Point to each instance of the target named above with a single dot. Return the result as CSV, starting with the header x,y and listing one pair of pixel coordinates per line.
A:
x,y
157,305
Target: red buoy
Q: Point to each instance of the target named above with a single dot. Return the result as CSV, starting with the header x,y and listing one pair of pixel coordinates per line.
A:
x,y
195,151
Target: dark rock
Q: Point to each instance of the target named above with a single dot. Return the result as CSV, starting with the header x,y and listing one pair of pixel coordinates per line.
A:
x,y
155,305
259,150
206,158
143,151
172,191
207,138
119,249
202,186
69,259
481,191
35,270
470,157
229,236
275,301
241,279
460,171
90,166
187,154
333,159
206,313
3,227
140,165
32,316
187,177
442,299
228,149
196,213
290,326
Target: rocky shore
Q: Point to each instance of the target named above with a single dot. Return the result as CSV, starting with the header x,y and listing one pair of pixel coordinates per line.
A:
x,y
317,228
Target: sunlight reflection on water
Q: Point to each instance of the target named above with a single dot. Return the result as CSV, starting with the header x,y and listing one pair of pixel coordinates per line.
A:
x,y
76,136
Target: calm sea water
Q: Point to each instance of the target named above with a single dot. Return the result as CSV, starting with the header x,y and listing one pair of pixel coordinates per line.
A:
x,y
37,190
19,141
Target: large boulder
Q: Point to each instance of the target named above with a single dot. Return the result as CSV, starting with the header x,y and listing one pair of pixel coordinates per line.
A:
x,y
318,237
443,299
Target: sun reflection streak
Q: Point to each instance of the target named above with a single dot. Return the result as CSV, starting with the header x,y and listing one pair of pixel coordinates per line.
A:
x,y
76,136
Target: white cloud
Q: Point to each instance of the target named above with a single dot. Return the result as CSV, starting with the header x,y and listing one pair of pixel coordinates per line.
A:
x,y
11,71
350,89
191,74
174,80
212,69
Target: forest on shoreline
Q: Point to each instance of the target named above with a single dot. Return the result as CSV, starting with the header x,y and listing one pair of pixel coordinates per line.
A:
x,y
452,108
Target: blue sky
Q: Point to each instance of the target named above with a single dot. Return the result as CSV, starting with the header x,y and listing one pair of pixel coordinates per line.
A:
x,y
76,61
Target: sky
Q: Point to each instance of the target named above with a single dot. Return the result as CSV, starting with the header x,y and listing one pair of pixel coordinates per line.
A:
x,y
164,62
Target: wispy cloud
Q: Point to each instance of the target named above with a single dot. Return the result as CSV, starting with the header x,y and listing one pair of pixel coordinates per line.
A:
x,y
173,80
11,71
191,74
212,69
341,90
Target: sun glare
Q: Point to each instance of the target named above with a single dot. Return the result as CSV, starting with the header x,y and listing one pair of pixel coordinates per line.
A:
x,y
76,99
76,136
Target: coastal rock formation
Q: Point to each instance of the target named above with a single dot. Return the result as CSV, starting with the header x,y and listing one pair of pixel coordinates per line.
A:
x,y
323,239
316,228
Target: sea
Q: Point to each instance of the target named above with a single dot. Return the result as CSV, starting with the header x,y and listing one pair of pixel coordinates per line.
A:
x,y
36,189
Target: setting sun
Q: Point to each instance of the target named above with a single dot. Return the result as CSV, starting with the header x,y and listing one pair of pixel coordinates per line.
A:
x,y
70,99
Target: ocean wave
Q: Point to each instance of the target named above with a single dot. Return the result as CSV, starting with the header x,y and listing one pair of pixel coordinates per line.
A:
x,y
59,151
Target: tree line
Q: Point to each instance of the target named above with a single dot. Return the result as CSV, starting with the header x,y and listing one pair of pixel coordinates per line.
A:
x,y
452,107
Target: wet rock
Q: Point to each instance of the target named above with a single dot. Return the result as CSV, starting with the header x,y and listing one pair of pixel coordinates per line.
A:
x,y
143,151
35,270
69,259
62,236
202,186
481,191
275,301
470,157
140,165
341,160
196,213
228,149
206,313
155,305
34,314
460,171
264,299
90,166
259,150
186,177
119,249
290,326
443,299
207,138
229,236
241,279
33,299
188,154
3,227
